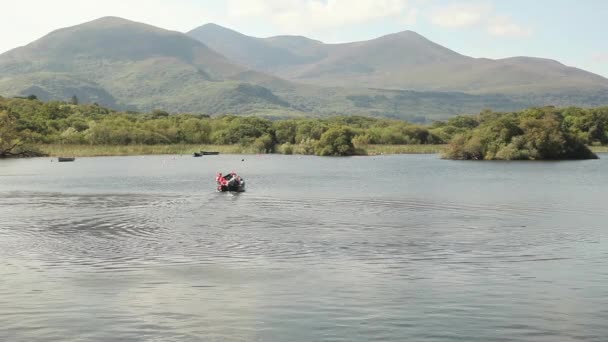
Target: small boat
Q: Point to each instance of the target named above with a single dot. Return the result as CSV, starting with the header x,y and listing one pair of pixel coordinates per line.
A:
x,y
66,159
196,154
209,153
230,182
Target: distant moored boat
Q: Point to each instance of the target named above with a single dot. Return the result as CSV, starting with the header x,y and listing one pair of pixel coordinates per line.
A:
x,y
66,159
209,153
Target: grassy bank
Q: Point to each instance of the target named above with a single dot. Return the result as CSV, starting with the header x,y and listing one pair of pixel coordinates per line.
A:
x,y
402,149
132,150
56,150
599,149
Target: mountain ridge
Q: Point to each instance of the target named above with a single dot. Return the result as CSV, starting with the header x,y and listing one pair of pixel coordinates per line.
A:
x,y
404,60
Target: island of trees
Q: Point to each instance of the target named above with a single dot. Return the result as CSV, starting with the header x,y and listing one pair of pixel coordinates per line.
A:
x,y
533,134
27,125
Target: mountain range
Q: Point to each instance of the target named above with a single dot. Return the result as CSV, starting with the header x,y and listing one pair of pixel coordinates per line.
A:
x,y
215,70
404,60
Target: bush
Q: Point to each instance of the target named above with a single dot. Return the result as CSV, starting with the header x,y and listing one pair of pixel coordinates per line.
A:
x,y
361,140
286,148
307,147
336,141
263,144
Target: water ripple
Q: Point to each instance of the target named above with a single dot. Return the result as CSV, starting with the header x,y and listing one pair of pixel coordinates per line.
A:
x,y
305,259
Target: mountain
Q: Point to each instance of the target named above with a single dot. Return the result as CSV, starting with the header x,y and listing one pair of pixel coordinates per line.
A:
x,y
133,66
120,63
252,52
404,60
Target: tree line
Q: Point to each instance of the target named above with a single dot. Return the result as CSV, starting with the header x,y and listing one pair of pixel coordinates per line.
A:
x,y
488,135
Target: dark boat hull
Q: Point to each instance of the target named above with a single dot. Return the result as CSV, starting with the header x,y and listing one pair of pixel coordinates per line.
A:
x,y
209,153
65,159
196,154
231,188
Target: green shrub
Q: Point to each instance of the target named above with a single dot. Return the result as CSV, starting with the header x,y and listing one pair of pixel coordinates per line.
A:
x,y
336,141
286,148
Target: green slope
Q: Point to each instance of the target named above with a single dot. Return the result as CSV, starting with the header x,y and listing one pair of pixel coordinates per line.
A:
x,y
133,65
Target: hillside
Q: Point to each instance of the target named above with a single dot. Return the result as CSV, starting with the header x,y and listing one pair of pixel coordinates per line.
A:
x,y
121,63
404,60
251,52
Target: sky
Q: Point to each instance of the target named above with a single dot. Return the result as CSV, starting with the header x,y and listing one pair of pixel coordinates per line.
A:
x,y
572,32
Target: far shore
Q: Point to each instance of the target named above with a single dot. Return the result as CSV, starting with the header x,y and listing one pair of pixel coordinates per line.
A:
x,y
599,149
58,150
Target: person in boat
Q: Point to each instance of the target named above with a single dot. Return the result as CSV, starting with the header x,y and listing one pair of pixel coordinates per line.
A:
x,y
233,181
221,181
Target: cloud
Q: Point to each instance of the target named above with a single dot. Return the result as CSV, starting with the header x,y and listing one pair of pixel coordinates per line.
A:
x,y
299,15
477,15
411,17
600,58
504,26
460,15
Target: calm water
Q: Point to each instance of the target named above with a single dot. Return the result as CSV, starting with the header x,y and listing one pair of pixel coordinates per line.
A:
x,y
390,248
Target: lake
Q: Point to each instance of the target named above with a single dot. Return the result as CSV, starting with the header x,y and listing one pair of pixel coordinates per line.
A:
x,y
391,248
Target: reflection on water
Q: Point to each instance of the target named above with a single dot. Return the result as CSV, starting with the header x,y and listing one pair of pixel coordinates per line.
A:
x,y
387,248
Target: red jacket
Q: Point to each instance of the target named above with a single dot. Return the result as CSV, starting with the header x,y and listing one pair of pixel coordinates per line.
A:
x,y
221,180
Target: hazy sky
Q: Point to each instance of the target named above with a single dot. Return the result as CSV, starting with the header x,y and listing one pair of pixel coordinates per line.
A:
x,y
572,32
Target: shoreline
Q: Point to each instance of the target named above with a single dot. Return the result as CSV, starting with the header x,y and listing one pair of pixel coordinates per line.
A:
x,y
56,150
599,149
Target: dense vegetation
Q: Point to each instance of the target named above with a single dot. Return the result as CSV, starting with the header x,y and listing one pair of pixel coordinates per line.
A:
x,y
545,133
533,134
70,123
10,142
